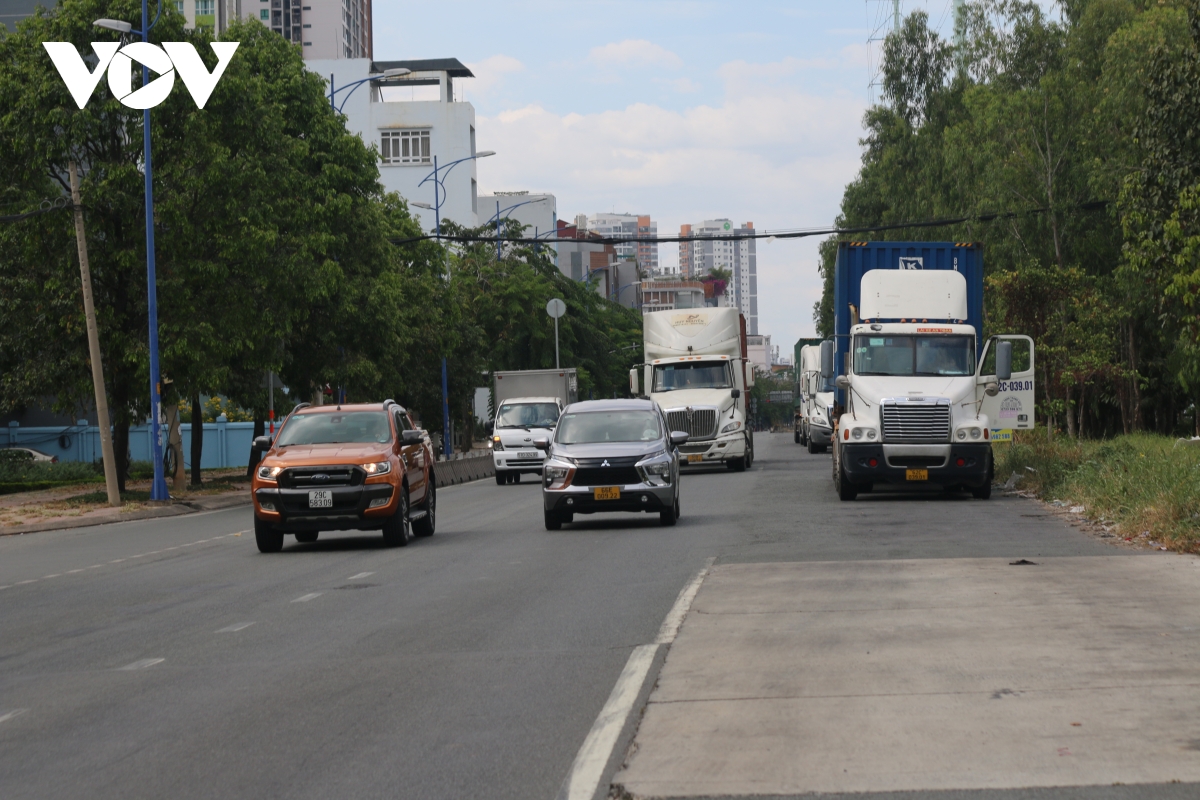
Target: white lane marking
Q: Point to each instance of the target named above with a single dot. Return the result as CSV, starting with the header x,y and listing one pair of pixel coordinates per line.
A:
x,y
73,571
22,583
307,597
589,764
235,627
674,618
116,561
4,587
142,664
359,575
55,575
16,712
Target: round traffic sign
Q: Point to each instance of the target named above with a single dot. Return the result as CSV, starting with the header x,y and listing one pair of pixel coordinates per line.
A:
x,y
556,308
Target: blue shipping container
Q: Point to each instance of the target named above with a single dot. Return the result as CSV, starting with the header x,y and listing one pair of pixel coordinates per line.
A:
x,y
854,259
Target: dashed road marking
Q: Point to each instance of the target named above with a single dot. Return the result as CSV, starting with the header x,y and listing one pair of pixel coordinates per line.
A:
x,y
360,575
235,627
55,575
307,597
16,712
142,664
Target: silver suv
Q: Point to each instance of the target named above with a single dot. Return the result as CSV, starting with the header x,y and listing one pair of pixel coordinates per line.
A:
x,y
611,455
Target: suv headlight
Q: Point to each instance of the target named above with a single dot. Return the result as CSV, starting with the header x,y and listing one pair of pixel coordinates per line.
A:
x,y
556,473
733,426
658,471
497,444
378,468
268,473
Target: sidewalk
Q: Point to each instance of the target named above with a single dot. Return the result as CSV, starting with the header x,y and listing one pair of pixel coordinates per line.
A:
x,y
789,678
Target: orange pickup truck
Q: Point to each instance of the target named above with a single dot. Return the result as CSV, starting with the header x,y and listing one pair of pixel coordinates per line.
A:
x,y
352,467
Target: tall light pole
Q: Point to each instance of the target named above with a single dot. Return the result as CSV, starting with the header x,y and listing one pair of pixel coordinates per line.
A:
x,y
382,76
158,488
439,191
499,211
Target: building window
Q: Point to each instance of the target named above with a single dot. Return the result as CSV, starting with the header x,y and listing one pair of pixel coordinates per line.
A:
x,y
179,6
405,147
264,15
204,8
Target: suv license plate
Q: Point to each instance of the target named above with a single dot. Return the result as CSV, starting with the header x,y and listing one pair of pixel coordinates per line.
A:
x,y
607,493
916,474
695,458
527,454
320,499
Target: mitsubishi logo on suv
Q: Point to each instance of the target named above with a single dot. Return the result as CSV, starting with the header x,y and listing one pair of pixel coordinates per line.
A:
x,y
604,463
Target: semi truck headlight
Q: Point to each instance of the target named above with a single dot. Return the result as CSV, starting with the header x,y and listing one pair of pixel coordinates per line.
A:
x,y
733,426
857,433
269,473
870,433
976,433
497,444
962,433
378,468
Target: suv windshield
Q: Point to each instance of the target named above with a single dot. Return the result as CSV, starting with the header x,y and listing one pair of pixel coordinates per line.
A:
x,y
914,355
694,375
358,427
608,426
527,415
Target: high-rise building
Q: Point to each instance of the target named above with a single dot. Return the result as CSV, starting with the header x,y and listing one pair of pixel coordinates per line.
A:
x,y
325,29
632,226
701,252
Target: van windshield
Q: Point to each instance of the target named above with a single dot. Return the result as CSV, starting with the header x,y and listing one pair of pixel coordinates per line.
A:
x,y
349,427
914,355
692,375
527,415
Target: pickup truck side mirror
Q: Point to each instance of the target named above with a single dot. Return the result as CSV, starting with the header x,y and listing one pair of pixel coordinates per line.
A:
x,y
827,359
681,437
411,437
262,443
843,382
541,443
1004,360
735,393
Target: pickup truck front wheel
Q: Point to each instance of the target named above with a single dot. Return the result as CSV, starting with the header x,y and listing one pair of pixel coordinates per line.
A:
x,y
266,537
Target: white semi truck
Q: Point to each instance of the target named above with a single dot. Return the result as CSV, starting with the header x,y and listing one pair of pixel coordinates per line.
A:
x,y
696,370
814,401
919,394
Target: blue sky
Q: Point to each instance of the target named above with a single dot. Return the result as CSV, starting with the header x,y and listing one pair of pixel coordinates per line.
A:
x,y
682,109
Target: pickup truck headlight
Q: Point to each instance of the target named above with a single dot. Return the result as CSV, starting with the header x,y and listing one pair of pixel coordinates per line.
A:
x,y
378,468
268,473
733,426
497,444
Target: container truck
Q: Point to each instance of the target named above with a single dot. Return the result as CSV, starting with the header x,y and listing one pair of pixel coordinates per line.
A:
x,y
696,369
918,389
814,398
527,404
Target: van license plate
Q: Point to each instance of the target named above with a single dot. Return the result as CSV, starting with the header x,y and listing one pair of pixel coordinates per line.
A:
x,y
529,454
607,493
320,499
695,458
916,474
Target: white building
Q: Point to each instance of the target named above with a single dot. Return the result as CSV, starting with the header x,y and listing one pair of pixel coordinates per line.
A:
x,y
700,252
630,226
413,121
325,29
668,295
758,351
538,212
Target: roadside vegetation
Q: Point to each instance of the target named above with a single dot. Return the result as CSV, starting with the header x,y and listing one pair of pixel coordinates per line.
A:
x,y
1142,487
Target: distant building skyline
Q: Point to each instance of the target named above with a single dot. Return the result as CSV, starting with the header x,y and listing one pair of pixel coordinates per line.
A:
x,y
631,226
700,253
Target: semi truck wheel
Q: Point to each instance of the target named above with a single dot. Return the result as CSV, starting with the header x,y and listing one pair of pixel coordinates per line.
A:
x,y
796,434
814,448
845,487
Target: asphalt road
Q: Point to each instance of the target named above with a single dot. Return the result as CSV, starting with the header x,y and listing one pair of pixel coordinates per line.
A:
x,y
168,658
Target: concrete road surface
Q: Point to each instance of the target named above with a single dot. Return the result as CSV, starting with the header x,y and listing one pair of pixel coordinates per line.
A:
x,y
168,658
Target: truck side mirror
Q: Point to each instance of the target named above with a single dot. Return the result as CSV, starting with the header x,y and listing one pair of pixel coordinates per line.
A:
x,y
633,382
827,359
735,393
843,382
1003,360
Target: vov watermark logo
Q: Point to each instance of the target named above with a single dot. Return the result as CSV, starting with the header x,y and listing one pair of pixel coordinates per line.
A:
x,y
117,62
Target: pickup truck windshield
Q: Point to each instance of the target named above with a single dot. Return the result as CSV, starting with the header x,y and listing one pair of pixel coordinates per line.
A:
x,y
692,375
608,426
527,415
350,427
914,355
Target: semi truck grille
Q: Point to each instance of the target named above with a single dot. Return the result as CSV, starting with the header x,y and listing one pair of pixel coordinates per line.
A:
x,y
916,422
698,423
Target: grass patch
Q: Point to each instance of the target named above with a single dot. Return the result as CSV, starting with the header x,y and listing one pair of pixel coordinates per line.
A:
x,y
1139,482
101,498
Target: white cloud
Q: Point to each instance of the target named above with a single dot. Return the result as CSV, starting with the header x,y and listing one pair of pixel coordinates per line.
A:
x,y
491,72
634,53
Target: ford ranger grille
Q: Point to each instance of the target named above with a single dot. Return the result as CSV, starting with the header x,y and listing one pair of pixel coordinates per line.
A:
x,y
698,423
914,423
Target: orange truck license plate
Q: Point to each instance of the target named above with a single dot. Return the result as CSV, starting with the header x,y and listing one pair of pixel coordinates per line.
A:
x,y
916,474
695,458
607,492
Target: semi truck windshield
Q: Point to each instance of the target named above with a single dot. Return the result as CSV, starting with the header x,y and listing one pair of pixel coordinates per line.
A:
x,y
914,355
693,375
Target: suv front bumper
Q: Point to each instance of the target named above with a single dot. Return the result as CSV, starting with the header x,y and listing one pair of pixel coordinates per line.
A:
x,y
350,510
634,497
890,467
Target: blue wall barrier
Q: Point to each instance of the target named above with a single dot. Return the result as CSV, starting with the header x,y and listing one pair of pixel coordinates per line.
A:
x,y
226,444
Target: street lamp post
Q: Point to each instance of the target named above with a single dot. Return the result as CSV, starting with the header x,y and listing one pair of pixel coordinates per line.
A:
x,y
617,295
504,211
387,73
439,191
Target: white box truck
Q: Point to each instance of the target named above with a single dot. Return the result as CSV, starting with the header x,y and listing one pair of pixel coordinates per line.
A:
x,y
527,405
696,370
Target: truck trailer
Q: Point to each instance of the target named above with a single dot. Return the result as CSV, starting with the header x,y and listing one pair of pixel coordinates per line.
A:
x,y
696,369
919,389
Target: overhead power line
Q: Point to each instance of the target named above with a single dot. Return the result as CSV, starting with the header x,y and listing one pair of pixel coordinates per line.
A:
x,y
45,207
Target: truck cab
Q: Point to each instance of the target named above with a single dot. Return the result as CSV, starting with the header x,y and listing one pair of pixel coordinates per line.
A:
x,y
814,401
519,422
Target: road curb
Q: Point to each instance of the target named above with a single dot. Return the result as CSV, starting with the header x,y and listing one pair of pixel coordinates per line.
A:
x,y
176,509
